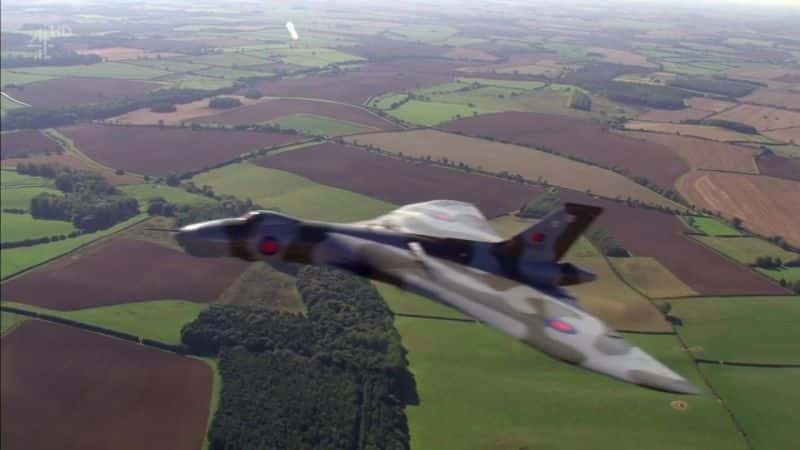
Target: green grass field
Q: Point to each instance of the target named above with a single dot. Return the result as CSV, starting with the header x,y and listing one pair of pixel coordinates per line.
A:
x,y
746,249
318,125
18,227
9,320
510,84
15,260
763,400
227,59
748,329
385,102
12,179
16,77
433,113
788,274
315,57
160,320
480,389
143,192
198,82
99,70
421,33
292,194
20,198
711,227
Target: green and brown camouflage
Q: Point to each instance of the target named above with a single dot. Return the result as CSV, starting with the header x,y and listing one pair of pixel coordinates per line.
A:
x,y
447,251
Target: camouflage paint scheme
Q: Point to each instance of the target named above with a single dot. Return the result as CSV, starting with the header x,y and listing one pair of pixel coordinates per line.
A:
x,y
447,251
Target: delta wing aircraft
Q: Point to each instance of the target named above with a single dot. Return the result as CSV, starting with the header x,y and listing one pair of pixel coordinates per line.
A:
x,y
447,251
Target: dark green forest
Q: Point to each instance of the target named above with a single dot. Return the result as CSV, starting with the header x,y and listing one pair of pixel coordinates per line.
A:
x,y
335,378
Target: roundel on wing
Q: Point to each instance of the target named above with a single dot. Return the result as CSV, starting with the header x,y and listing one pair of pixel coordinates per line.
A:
x,y
537,238
561,326
269,246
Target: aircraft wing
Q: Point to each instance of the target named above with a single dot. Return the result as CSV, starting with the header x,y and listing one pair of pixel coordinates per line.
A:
x,y
438,218
534,317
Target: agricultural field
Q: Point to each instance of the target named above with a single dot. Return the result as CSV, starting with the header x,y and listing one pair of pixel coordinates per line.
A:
x,y
777,166
634,228
122,271
11,179
745,329
189,149
651,277
314,125
272,109
775,97
7,104
74,160
700,131
451,362
496,157
263,286
12,77
107,379
704,153
160,320
762,399
16,260
747,249
580,138
19,227
115,53
711,227
787,135
101,70
9,321
386,178
765,205
21,144
79,91
292,194
761,117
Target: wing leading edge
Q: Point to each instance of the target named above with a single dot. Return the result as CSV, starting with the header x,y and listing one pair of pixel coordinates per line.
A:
x,y
537,318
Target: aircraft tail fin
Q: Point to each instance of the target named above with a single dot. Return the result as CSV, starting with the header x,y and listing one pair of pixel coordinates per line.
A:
x,y
551,237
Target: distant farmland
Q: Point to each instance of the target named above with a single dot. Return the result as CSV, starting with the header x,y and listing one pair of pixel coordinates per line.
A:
x,y
581,138
769,206
109,393
701,131
159,151
400,182
703,153
761,117
123,271
71,161
272,109
778,166
496,157
635,228
79,91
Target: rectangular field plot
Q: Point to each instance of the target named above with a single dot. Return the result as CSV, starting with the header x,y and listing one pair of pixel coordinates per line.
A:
x,y
747,329
387,178
100,70
711,227
650,277
19,227
433,113
292,194
764,401
12,179
109,393
122,271
746,249
496,157
318,125
527,399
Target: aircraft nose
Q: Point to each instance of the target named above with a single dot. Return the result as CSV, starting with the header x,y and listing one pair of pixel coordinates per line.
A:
x,y
206,239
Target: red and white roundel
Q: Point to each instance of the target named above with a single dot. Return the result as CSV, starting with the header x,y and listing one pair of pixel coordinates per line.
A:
x,y
269,246
561,326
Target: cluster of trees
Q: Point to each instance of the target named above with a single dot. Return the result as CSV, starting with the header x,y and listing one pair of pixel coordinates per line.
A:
x,y
579,100
253,94
164,107
224,102
767,262
185,214
336,378
606,243
648,95
719,86
37,241
89,201
729,124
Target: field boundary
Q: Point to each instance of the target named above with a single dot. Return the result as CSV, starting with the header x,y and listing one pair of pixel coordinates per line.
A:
x,y
749,364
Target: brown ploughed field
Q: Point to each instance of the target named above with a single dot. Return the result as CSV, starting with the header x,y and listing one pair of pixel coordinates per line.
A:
x,y
72,161
780,167
788,135
272,109
183,113
655,234
78,91
122,271
761,117
674,115
63,388
369,80
766,205
701,131
582,138
775,97
400,182
27,142
703,153
159,151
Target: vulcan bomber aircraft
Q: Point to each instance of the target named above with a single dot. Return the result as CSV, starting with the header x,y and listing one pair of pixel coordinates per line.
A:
x,y
447,251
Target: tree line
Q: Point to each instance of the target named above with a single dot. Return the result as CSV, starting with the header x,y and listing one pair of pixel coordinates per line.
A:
x,y
336,378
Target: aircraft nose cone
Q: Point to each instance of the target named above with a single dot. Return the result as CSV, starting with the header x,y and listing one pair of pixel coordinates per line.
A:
x,y
207,239
663,383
